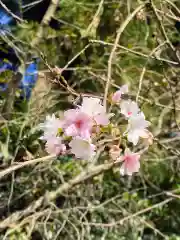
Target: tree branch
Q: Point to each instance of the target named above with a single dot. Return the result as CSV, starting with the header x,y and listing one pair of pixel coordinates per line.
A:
x,y
50,196
17,166
45,21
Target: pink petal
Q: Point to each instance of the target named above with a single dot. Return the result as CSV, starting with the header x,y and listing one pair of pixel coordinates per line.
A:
x,y
71,131
77,123
54,146
102,119
85,134
70,114
117,96
131,163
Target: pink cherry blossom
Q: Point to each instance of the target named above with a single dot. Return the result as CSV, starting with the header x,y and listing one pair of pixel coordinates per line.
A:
x,y
131,163
136,128
50,126
129,108
77,123
117,95
93,108
82,148
55,146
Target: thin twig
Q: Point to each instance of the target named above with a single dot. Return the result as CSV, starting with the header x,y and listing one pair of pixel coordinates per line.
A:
x,y
134,52
76,56
119,32
162,29
11,13
131,216
173,5
50,196
144,68
95,21
140,82
17,166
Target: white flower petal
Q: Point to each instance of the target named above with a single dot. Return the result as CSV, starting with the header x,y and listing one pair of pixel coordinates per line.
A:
x,y
51,126
122,169
136,127
91,106
82,148
133,137
124,89
129,108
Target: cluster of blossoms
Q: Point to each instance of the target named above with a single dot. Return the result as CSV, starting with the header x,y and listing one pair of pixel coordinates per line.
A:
x,y
76,127
76,130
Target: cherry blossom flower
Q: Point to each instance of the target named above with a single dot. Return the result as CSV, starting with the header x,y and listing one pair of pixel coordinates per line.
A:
x,y
129,108
82,148
50,126
117,95
93,107
77,123
130,164
136,128
55,146
77,127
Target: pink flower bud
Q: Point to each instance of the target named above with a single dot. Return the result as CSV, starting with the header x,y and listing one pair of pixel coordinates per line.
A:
x,y
117,95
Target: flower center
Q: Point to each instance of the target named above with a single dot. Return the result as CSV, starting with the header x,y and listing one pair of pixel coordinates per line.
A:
x,y
79,123
129,113
128,159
